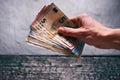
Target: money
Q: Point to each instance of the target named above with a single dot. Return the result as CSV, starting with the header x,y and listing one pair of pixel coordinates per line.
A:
x,y
44,32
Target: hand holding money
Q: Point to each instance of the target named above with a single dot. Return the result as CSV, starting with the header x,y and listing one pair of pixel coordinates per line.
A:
x,y
44,32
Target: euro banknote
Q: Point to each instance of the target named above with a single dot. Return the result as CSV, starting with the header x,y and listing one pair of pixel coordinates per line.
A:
x,y
44,32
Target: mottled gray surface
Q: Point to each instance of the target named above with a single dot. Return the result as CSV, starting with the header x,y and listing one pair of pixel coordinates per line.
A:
x,y
59,68
17,15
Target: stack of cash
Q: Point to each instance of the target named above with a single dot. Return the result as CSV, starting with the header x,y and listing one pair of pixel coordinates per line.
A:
x,y
44,32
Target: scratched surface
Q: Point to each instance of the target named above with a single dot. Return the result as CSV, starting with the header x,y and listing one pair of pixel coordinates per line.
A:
x,y
16,16
59,68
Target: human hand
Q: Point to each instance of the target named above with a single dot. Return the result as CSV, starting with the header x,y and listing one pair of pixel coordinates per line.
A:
x,y
90,31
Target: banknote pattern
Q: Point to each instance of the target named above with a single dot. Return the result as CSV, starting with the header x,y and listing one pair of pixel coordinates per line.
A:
x,y
44,32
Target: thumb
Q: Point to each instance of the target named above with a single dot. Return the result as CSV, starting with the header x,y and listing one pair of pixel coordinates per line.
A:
x,y
69,31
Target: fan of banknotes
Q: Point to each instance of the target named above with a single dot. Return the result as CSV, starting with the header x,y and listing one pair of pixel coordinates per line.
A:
x,y
44,32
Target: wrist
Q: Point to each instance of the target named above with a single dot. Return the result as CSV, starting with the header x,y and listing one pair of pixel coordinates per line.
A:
x,y
114,38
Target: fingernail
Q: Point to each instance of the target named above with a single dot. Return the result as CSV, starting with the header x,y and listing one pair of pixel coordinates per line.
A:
x,y
61,29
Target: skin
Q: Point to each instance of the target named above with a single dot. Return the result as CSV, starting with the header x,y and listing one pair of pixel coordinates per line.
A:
x,y
93,33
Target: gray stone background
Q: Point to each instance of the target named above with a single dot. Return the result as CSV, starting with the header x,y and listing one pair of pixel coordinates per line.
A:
x,y
17,15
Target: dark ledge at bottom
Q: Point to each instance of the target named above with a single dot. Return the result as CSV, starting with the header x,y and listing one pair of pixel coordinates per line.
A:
x,y
59,67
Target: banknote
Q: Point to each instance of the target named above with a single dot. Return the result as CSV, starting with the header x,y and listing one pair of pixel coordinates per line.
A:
x,y
44,32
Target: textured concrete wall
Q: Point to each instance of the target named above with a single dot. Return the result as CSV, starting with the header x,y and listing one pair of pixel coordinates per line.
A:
x,y
17,15
59,68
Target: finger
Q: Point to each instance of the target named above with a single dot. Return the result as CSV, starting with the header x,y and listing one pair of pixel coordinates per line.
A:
x,y
74,20
79,19
69,31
